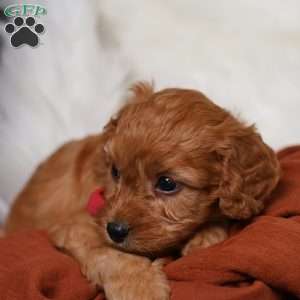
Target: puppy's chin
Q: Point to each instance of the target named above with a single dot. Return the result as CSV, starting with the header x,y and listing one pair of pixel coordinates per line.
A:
x,y
153,245
151,252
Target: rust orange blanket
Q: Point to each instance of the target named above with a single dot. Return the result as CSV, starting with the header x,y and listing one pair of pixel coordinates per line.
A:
x,y
262,261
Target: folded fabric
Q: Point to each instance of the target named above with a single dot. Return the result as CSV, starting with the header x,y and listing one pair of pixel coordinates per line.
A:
x,y
262,261
32,269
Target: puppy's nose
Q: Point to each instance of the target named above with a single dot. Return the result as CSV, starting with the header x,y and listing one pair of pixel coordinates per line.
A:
x,y
117,231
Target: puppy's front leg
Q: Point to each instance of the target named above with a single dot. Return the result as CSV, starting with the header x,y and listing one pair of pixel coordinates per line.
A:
x,y
123,276
209,235
128,277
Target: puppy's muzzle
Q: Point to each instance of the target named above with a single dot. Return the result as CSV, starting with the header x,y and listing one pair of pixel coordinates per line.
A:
x,y
117,231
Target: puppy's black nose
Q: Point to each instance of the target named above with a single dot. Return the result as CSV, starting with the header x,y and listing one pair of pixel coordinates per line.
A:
x,y
117,231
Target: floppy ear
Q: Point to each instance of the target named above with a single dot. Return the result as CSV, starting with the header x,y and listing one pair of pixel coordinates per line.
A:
x,y
249,168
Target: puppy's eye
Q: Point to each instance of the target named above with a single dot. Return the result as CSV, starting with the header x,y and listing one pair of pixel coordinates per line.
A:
x,y
167,185
115,173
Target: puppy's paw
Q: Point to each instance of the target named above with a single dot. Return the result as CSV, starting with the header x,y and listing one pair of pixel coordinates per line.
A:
x,y
130,277
59,235
156,282
78,232
208,236
148,284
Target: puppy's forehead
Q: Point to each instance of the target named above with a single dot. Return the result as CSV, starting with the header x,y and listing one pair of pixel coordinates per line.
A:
x,y
151,125
169,115
164,127
172,107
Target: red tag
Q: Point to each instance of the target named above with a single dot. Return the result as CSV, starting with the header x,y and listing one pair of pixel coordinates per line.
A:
x,y
96,202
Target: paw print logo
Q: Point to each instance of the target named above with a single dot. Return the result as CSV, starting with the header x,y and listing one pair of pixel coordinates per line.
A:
x,y
24,32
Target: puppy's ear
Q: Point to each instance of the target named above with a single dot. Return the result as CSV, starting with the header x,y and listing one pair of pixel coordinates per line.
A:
x,y
249,168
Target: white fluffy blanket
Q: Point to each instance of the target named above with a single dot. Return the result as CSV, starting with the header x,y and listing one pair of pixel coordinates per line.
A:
x,y
244,54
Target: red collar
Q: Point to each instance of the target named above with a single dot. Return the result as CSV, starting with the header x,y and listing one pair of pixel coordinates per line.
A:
x,y
96,202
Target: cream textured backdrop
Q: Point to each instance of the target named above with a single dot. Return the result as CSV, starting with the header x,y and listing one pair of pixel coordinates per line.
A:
x,y
243,54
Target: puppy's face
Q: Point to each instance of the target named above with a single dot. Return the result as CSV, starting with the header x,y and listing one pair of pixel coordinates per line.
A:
x,y
161,180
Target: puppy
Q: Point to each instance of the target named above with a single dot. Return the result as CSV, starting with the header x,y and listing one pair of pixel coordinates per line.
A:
x,y
175,167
